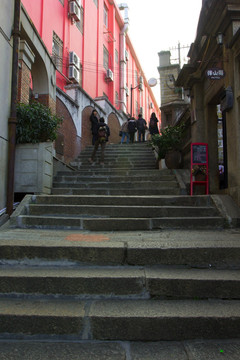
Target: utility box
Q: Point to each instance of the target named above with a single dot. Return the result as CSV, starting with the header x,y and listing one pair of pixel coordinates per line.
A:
x,y
34,168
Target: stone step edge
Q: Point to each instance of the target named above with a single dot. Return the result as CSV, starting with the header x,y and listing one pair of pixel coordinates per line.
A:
x,y
122,320
114,282
118,224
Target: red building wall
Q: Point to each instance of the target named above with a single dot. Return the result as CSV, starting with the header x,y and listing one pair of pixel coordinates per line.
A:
x,y
51,16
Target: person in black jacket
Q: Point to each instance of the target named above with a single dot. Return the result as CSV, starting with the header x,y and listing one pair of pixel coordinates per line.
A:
x,y
141,126
132,128
94,126
153,124
103,132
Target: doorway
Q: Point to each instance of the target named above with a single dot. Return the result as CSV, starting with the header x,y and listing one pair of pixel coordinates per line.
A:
x,y
222,149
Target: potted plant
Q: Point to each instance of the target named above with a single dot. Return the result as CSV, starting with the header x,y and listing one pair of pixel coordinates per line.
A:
x,y
35,132
168,145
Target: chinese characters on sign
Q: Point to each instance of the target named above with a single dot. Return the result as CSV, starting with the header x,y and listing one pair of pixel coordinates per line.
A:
x,y
215,74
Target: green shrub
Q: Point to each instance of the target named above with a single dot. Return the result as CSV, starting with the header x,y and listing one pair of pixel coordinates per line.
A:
x,y
36,123
170,139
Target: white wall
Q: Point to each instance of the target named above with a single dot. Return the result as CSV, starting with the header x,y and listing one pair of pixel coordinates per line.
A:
x,y
6,24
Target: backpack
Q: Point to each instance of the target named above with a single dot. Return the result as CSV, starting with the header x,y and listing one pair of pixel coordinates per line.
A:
x,y
102,134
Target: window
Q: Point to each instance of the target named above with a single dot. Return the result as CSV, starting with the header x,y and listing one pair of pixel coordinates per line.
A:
x,y
116,99
105,58
62,2
95,2
57,51
105,15
116,56
80,74
136,78
136,108
79,24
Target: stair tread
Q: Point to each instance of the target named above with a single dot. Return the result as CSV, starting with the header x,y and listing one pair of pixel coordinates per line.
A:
x,y
63,271
121,308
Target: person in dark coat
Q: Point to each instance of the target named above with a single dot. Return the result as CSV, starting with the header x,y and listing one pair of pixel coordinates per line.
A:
x,y
141,126
153,124
103,132
132,128
94,126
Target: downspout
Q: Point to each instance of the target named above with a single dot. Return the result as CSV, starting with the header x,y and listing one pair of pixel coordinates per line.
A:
x,y
12,121
123,65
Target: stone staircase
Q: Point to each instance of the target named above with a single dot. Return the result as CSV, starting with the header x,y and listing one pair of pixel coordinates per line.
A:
x,y
128,193
126,285
147,286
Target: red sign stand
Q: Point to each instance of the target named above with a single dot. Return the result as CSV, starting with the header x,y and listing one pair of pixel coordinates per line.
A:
x,y
199,166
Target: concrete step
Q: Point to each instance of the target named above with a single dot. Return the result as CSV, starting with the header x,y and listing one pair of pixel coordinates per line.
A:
x,y
202,249
118,224
117,185
101,171
114,350
119,281
120,211
164,200
131,320
114,166
120,191
110,177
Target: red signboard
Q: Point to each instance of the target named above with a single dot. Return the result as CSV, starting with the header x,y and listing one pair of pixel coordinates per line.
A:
x,y
199,166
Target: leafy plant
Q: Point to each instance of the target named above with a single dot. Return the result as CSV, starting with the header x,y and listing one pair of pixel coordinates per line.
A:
x,y
36,123
170,139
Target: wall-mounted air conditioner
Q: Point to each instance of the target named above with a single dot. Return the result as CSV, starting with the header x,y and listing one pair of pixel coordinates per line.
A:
x,y
140,80
74,59
73,74
74,11
127,91
140,87
109,75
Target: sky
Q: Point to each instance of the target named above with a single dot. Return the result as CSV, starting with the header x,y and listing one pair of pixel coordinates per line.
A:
x,y
159,25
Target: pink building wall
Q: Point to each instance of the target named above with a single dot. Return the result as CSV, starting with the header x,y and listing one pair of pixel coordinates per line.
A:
x,y
51,16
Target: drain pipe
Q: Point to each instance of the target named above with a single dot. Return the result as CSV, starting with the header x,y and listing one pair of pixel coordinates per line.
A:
x,y
123,66
12,121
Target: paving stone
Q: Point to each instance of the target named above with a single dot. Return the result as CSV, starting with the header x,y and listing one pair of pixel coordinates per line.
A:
x,y
23,350
214,350
158,351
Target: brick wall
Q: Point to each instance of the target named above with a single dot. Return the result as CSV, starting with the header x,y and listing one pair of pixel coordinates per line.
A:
x,y
86,127
23,82
67,144
114,126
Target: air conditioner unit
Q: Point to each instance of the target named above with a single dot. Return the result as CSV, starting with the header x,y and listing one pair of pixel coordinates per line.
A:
x,y
140,80
127,91
109,75
140,87
73,74
74,11
74,59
